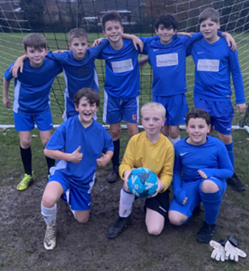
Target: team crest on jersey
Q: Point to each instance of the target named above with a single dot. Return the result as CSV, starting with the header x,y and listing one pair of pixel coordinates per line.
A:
x,y
134,117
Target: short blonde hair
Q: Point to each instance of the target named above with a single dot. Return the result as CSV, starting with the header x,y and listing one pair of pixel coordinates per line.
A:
x,y
154,106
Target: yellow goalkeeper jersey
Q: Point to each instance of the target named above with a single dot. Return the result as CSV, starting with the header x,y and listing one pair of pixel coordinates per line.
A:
x,y
159,157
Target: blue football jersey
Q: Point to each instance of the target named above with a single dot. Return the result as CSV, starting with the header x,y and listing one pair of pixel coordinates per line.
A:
x,y
211,157
79,73
122,70
168,63
93,140
213,65
32,87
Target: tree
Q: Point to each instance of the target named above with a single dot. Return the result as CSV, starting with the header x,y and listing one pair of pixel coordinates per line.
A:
x,y
34,10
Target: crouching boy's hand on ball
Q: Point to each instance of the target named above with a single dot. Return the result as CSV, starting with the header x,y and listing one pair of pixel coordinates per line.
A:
x,y
160,187
127,173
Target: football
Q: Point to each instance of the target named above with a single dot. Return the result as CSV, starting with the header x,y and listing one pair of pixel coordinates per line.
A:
x,y
142,182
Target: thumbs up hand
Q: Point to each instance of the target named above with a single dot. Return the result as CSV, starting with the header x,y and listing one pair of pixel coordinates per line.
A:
x,y
76,156
103,160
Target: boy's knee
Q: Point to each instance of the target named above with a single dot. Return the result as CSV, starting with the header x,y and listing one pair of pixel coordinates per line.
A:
x,y
115,133
173,132
226,139
48,202
25,142
44,141
132,131
175,219
209,186
81,219
155,230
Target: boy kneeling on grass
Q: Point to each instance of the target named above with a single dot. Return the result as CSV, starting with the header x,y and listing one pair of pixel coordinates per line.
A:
x,y
85,144
150,149
206,165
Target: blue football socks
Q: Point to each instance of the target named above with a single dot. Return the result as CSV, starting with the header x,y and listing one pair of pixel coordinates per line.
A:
x,y
211,204
230,152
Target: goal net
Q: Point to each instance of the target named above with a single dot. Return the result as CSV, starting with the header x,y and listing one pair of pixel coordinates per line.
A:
x,y
55,18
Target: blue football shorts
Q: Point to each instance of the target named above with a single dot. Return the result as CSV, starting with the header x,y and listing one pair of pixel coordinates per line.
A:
x,y
176,108
193,193
78,200
221,113
115,110
24,123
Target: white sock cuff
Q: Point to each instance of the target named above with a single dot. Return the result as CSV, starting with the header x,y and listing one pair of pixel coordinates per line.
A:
x,y
49,214
126,195
174,140
48,211
125,203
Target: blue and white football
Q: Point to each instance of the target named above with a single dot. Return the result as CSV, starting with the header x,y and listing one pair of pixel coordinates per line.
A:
x,y
142,182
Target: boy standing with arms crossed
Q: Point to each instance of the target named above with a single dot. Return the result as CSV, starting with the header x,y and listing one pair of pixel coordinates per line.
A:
x,y
214,62
205,164
31,99
85,144
152,150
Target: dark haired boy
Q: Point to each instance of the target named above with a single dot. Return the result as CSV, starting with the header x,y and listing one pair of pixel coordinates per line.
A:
x,y
78,66
122,85
85,144
205,164
214,62
31,99
167,57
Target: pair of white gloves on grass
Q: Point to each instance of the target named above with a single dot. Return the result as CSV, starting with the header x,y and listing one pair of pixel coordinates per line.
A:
x,y
228,252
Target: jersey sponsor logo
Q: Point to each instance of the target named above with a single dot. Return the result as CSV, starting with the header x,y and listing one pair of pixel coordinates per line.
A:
x,y
167,60
122,66
154,50
184,153
134,117
198,53
208,65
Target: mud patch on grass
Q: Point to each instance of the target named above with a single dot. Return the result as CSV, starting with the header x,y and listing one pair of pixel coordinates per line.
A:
x,y
86,247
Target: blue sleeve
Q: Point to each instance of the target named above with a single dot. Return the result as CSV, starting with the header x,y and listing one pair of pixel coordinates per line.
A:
x,y
225,169
8,75
95,51
146,42
57,140
187,41
237,76
58,57
108,142
219,33
179,193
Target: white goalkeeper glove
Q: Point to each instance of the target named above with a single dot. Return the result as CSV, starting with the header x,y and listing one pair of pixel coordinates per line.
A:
x,y
233,253
218,253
